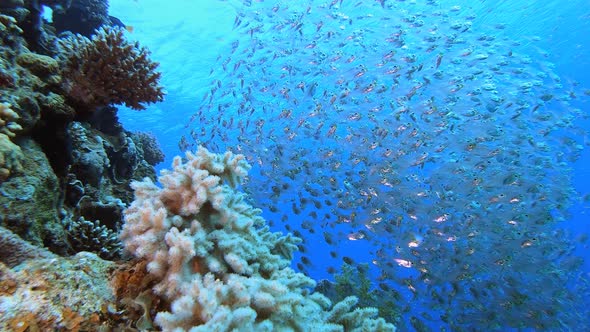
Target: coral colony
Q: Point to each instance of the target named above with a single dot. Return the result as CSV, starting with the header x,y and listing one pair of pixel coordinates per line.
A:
x,y
213,258
441,148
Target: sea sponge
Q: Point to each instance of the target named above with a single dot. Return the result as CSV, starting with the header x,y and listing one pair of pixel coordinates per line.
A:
x,y
108,70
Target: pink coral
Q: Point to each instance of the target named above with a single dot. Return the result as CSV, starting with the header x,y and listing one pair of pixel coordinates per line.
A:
x,y
109,70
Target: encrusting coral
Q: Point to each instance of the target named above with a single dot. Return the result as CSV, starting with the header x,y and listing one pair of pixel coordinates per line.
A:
x,y
215,261
108,70
10,153
56,294
14,250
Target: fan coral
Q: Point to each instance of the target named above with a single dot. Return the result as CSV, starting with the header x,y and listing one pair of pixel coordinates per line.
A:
x,y
217,263
108,70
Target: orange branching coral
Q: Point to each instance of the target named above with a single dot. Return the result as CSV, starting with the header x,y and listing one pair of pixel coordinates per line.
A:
x,y
108,70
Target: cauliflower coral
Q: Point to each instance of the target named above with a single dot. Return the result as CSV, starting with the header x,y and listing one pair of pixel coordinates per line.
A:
x,y
216,263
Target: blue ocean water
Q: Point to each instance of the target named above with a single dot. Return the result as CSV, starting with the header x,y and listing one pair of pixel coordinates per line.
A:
x,y
195,43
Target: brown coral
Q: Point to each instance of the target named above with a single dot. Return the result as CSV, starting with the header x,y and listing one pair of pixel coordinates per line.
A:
x,y
109,70
152,153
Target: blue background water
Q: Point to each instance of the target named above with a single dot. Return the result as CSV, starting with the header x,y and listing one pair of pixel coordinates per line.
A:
x,y
187,36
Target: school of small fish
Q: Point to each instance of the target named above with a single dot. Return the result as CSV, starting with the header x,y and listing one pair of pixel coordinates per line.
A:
x,y
447,148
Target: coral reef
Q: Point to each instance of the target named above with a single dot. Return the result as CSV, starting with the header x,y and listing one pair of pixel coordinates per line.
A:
x,y
29,82
8,117
215,261
89,158
29,15
10,157
206,261
108,70
60,163
97,185
204,257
